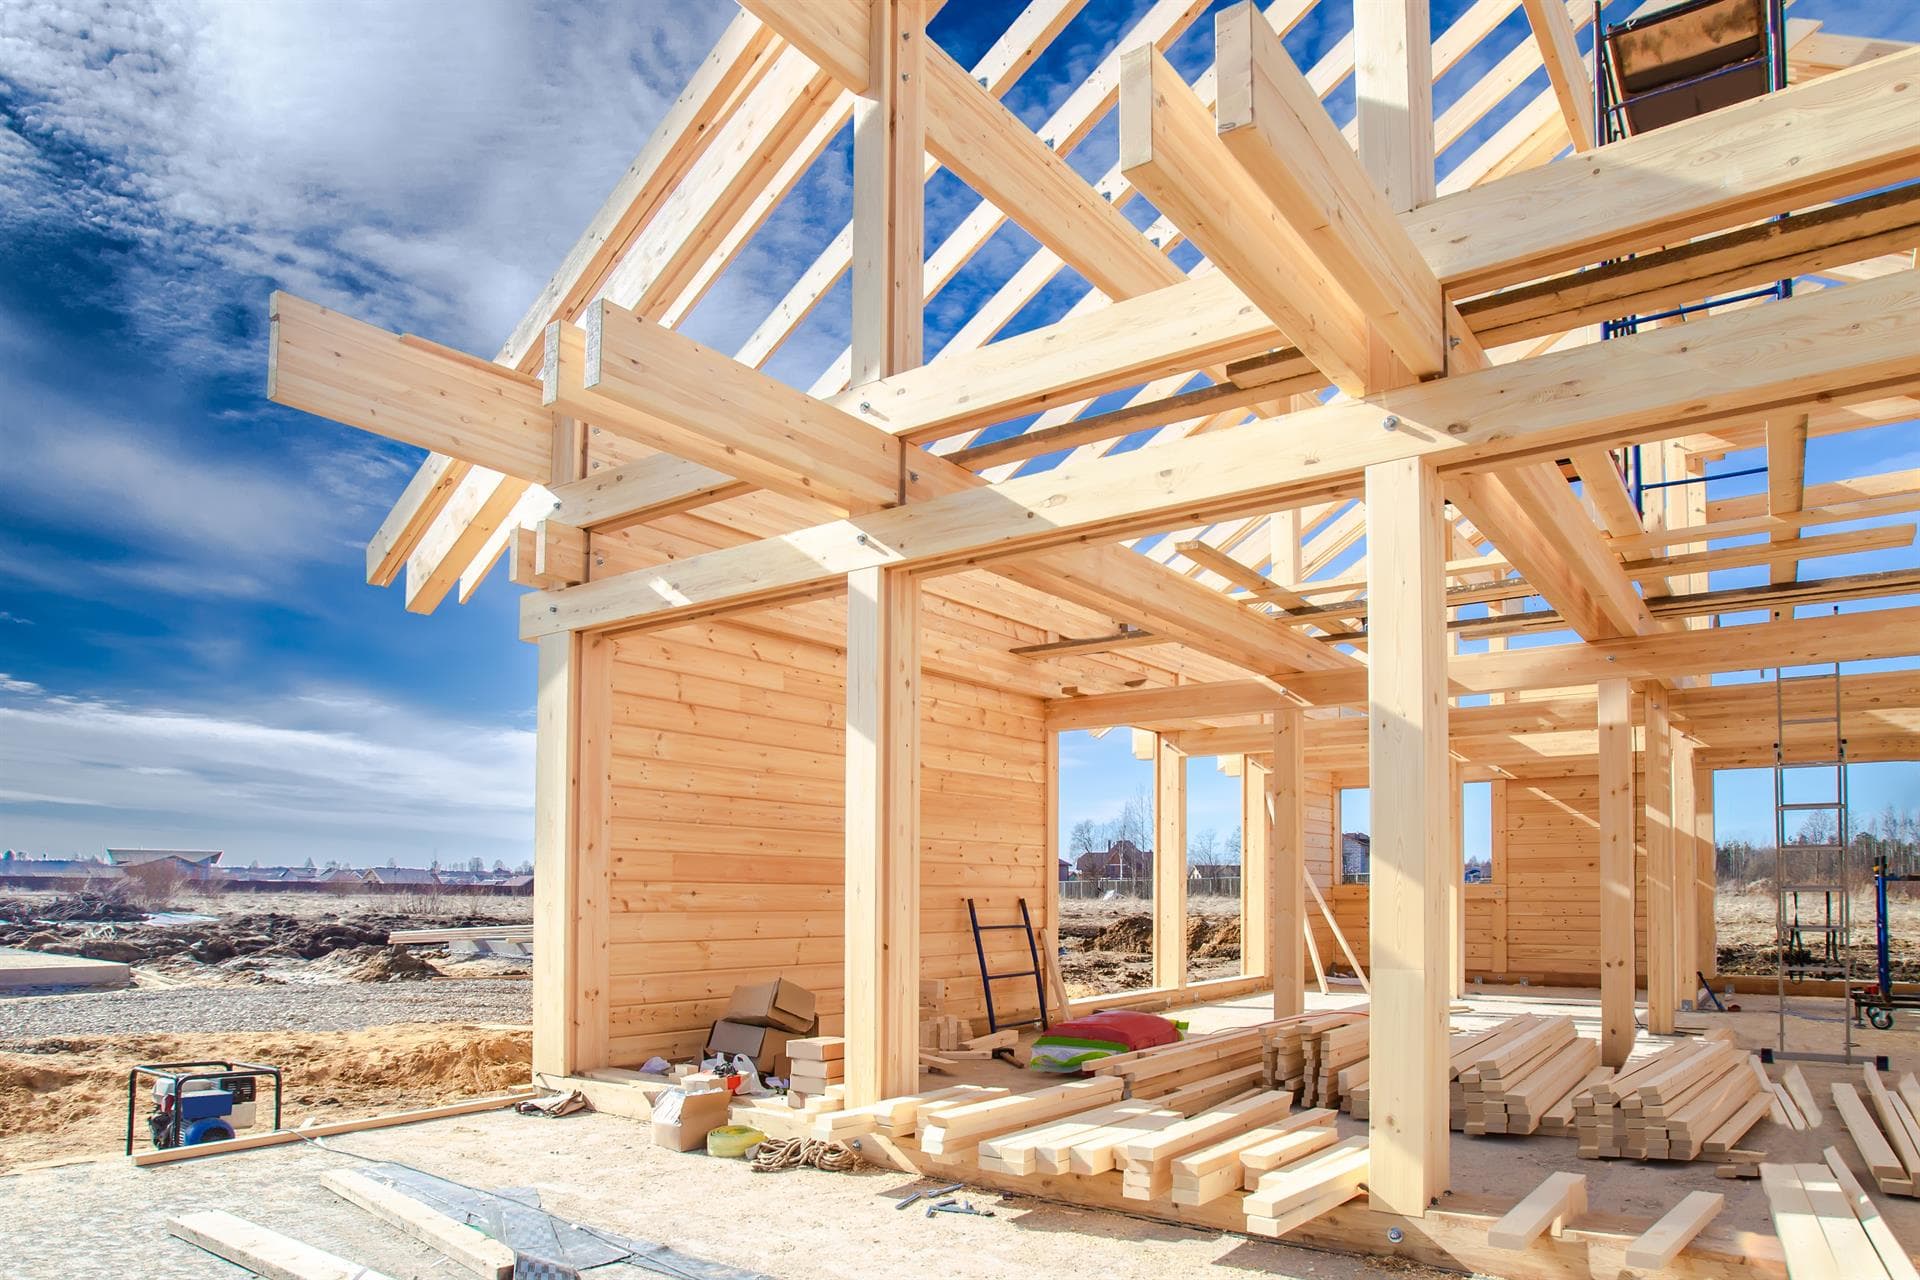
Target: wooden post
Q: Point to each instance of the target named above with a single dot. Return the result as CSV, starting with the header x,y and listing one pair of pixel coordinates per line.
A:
x,y
889,144
572,782
1685,880
1412,860
883,835
1707,959
1497,853
1285,906
1615,715
1256,868
1457,878
1169,865
1051,924
1661,922
1393,89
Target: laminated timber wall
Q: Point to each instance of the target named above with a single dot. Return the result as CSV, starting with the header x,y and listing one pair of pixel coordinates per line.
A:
x,y
727,855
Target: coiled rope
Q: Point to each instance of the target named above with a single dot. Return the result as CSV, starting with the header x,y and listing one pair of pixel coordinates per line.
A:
x,y
776,1154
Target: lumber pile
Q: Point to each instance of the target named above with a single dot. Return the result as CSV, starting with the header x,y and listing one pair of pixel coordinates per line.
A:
x,y
1687,1101
1827,1224
941,1032
1290,1197
818,1079
1884,1128
1296,1054
1508,1081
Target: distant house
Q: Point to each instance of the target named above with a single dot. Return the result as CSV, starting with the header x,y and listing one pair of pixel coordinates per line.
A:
x,y
1356,857
403,877
140,857
65,874
1121,860
1066,869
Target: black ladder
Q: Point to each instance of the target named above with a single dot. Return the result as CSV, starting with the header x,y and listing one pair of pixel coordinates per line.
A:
x,y
988,977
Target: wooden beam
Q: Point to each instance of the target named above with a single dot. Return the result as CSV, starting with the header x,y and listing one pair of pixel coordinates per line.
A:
x,y
889,156
1169,150
264,1253
1553,31
478,506
1617,981
1407,898
1169,865
406,388
1283,910
1843,340
1393,93
1552,1205
458,1241
990,150
883,836
424,498
1898,502
1663,980
1661,187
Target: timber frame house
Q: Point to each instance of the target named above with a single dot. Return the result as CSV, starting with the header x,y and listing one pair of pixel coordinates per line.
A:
x,y
804,654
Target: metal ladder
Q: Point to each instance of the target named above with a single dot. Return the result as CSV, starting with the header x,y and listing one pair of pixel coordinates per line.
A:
x,y
988,977
1818,945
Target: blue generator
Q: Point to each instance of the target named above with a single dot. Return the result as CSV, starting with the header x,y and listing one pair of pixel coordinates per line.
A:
x,y
196,1102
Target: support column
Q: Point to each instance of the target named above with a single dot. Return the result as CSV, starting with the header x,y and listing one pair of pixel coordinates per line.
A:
x,y
1497,852
1255,869
1408,902
1285,907
1685,881
889,143
1615,714
1457,880
1661,919
572,782
1393,84
883,835
1169,865
1706,937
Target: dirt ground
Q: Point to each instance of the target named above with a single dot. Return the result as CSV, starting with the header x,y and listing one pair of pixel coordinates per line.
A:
x,y
1744,921
1107,944
68,1097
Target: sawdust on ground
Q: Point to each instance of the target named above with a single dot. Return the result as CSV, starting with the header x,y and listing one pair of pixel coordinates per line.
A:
x,y
68,1097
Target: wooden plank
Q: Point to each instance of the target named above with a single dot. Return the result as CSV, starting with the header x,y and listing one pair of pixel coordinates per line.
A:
x,y
966,1126
1893,1255
331,1128
883,835
1853,1251
1549,1206
1906,1145
1795,1081
463,1243
1798,1225
1302,1191
1655,1247
1662,967
1871,1143
1408,906
1617,1024
263,1252
1553,31
1285,815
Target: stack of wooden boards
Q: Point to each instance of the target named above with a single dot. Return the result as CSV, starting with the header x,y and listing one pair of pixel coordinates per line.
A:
x,y
1320,1056
819,1074
1689,1100
1519,1076
1191,1122
1828,1225
1890,1147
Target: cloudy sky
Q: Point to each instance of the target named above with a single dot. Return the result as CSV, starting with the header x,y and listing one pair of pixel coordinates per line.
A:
x,y
188,652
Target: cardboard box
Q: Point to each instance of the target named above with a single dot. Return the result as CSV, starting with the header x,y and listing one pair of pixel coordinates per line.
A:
x,y
767,1046
782,1004
700,1114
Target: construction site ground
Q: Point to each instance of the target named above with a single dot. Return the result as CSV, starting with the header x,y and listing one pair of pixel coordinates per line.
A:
x,y
102,1216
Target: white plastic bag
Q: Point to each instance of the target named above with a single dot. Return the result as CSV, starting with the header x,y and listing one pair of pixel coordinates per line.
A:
x,y
750,1086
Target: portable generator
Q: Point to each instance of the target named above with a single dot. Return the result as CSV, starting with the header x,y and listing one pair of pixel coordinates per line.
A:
x,y
196,1102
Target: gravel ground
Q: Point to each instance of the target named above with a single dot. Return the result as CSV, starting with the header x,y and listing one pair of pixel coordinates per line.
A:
x,y
288,1008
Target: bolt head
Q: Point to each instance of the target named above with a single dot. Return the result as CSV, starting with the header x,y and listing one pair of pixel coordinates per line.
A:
x,y
1390,423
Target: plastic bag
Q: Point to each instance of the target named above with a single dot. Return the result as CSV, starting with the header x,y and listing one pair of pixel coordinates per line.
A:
x,y
656,1066
750,1086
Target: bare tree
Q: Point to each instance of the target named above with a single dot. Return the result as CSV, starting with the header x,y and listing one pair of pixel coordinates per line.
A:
x,y
1202,845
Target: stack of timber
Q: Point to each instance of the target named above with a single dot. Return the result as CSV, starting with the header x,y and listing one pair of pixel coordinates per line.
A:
x,y
1884,1129
1509,1081
1827,1224
1687,1101
1296,1055
819,1073
1520,1076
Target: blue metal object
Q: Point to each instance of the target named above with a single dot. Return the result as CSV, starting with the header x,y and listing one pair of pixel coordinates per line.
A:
x,y
186,1109
212,1129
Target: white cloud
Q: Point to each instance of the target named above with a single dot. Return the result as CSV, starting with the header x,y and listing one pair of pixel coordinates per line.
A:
x,y
342,774
340,147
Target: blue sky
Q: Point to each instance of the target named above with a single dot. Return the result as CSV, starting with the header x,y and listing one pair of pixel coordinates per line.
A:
x,y
188,653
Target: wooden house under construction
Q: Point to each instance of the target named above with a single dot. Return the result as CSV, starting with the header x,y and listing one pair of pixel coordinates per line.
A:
x,y
806,655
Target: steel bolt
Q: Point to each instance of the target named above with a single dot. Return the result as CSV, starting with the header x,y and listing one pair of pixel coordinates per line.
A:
x,y
1391,422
